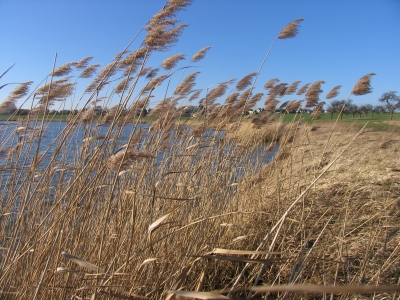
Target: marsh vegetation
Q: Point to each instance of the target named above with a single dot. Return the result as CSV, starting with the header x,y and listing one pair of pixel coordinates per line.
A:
x,y
220,207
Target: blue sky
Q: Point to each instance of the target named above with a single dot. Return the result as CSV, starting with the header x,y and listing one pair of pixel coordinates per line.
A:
x,y
339,41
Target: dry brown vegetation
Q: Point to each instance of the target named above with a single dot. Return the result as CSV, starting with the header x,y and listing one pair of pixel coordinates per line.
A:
x,y
224,207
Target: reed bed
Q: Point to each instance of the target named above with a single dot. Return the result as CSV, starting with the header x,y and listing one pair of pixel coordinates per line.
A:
x,y
220,207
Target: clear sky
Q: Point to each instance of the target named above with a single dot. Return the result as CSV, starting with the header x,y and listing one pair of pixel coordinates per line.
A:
x,y
339,41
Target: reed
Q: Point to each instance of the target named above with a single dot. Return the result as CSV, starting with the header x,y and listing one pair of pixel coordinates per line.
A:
x,y
224,206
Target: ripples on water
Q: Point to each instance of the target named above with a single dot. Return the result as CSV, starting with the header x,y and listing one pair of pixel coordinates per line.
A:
x,y
256,157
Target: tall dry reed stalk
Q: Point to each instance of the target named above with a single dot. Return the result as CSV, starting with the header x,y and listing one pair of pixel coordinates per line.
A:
x,y
105,207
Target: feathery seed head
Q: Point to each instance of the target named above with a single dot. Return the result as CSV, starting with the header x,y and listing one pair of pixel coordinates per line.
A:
x,y
89,71
119,55
154,83
292,88
187,84
217,92
59,92
107,71
290,30
278,90
133,58
245,81
83,63
160,38
363,86
123,85
19,92
294,105
170,62
232,98
303,89
270,104
200,54
334,92
123,159
271,83
65,69
195,95
144,71
312,94
110,115
152,73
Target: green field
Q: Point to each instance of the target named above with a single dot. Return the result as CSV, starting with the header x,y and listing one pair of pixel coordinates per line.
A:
x,y
377,121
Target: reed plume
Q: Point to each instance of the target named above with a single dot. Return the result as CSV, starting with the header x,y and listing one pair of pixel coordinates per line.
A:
x,y
19,92
245,81
232,98
137,107
89,71
170,62
195,95
200,54
262,119
290,30
133,58
119,55
153,83
292,88
271,104
87,115
153,73
303,89
363,86
294,105
270,83
59,92
107,71
63,70
334,92
111,114
7,107
187,84
277,90
83,63
160,38
124,159
312,94
123,85
45,88
165,15
217,92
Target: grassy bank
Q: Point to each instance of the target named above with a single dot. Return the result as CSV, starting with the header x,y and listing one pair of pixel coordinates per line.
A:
x,y
324,211
226,208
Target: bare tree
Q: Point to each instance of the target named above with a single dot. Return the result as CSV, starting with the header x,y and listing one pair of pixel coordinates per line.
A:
x,y
352,109
335,107
366,108
392,102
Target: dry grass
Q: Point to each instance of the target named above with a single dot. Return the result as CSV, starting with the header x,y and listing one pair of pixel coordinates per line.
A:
x,y
105,210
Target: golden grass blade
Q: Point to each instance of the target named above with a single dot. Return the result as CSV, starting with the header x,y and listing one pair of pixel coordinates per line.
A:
x,y
80,262
244,259
147,261
157,223
327,289
199,295
130,192
62,270
239,238
93,138
227,251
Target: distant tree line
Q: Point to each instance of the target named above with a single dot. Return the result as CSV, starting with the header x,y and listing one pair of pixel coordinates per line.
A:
x,y
390,100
